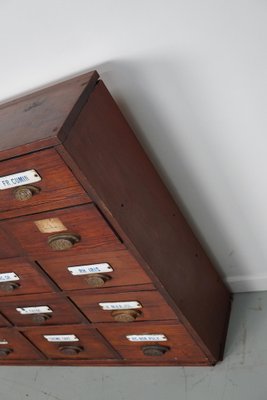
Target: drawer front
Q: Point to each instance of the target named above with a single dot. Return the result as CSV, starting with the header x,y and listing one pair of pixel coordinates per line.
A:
x,y
70,231
3,322
19,276
109,269
49,309
70,342
13,346
153,342
123,307
8,248
20,194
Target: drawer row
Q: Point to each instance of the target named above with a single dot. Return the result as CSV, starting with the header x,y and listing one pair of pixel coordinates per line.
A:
x,y
38,182
72,231
78,307
51,260
149,342
19,275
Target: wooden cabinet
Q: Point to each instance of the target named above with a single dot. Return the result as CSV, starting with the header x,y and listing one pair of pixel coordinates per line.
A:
x,y
97,264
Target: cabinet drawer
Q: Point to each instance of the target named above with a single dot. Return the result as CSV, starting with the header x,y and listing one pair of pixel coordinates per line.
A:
x,y
123,307
92,270
7,248
49,309
3,322
153,342
74,342
72,231
56,187
13,346
19,276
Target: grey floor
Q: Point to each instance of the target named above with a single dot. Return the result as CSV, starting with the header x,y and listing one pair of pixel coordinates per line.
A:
x,y
242,374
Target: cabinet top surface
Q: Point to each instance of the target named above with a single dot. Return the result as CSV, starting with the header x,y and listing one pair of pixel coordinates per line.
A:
x,y
39,116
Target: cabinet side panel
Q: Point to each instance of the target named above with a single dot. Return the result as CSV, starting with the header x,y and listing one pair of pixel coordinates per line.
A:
x,y
128,189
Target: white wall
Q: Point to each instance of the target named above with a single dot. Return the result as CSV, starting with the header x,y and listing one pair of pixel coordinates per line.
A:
x,y
191,78
241,376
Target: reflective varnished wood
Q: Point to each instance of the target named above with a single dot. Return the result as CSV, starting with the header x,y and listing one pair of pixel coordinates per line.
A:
x,y
100,207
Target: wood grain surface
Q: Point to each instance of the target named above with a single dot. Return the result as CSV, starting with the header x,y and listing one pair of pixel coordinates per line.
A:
x,y
147,218
34,121
84,221
153,304
58,187
126,270
98,184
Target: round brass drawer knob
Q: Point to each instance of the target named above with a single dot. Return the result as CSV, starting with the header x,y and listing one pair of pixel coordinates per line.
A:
x,y
97,280
70,350
63,241
125,315
40,318
24,193
155,350
4,352
9,286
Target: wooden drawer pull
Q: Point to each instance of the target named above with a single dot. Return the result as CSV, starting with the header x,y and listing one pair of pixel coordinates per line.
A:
x,y
63,241
24,193
9,286
70,350
125,315
97,280
5,352
155,350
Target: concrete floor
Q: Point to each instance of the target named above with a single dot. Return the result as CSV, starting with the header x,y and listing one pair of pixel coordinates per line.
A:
x,y
242,374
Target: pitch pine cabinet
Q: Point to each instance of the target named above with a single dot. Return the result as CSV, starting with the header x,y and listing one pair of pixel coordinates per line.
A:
x,y
97,264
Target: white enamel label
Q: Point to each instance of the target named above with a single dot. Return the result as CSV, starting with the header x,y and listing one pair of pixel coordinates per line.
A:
x,y
61,338
90,269
34,310
19,179
8,276
3,341
123,305
147,338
